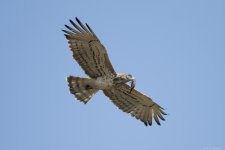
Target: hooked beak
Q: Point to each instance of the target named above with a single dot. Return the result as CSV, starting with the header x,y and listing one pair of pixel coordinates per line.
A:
x,y
133,84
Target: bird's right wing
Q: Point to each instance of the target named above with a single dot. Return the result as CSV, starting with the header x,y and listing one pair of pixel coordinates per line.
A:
x,y
88,50
137,104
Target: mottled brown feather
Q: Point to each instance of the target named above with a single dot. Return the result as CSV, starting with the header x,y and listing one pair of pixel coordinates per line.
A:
x,y
88,51
137,104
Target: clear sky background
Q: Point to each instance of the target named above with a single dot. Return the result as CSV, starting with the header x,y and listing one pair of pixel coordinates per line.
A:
x,y
175,49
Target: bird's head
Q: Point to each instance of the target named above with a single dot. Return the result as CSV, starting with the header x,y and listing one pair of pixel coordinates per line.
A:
x,y
124,78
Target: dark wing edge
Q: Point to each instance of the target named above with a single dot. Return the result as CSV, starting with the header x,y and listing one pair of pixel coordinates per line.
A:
x,y
137,104
79,31
87,50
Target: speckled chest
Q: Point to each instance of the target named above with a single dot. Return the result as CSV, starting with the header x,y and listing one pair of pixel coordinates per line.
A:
x,y
104,82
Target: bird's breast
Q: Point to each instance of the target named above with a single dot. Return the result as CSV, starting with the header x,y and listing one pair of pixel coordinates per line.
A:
x,y
104,82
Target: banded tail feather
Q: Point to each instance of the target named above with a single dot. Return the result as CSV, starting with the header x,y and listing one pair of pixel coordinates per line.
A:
x,y
82,88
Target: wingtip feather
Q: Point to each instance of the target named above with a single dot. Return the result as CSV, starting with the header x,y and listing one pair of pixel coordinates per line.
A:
x,y
71,21
162,112
157,119
78,21
67,36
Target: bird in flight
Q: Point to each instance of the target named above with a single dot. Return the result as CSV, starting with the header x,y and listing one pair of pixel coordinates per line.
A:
x,y
92,56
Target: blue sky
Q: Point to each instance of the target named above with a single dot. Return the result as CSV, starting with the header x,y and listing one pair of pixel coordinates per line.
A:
x,y
175,49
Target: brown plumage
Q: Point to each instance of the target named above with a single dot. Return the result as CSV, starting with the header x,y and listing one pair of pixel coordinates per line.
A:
x,y
91,55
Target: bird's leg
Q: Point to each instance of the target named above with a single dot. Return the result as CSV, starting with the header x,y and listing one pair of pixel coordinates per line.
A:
x,y
133,84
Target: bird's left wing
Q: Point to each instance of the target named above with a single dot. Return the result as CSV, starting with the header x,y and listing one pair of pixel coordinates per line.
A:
x,y
135,103
88,51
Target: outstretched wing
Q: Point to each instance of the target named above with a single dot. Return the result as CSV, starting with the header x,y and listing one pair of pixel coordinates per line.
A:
x,y
135,103
88,50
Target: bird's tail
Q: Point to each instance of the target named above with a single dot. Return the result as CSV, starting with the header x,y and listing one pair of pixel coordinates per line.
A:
x,y
82,88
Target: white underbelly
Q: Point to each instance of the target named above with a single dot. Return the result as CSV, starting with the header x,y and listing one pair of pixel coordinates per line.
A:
x,y
103,83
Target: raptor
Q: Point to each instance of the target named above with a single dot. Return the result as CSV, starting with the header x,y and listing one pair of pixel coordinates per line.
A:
x,y
92,56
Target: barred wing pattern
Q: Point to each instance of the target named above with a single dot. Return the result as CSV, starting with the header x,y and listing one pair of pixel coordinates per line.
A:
x,y
137,104
88,50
